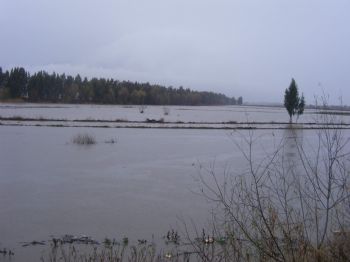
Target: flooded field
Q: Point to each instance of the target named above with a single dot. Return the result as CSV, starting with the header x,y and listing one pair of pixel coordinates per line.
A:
x,y
132,113
142,185
198,114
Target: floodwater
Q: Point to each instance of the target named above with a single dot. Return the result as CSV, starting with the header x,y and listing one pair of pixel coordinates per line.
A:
x,y
143,185
185,114
136,187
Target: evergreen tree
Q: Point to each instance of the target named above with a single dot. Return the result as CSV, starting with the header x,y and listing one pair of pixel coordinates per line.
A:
x,y
292,102
17,82
301,106
1,77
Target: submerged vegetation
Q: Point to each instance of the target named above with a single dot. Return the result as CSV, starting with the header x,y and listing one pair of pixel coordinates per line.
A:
x,y
289,204
111,141
84,139
45,87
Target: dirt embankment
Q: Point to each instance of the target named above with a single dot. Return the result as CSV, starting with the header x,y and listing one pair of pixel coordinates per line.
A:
x,y
160,123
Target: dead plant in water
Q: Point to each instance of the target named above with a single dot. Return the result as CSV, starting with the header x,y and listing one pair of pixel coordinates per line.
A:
x,y
109,253
166,111
84,139
111,141
142,109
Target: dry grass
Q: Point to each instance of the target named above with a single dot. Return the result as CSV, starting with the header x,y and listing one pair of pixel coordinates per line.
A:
x,y
84,139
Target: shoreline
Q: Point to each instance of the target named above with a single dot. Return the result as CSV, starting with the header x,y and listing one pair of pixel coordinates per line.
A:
x,y
161,124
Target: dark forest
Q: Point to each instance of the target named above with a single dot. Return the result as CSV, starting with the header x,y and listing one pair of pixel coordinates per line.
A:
x,y
42,86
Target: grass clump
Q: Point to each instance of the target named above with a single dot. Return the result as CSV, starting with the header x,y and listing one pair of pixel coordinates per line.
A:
x,y
84,139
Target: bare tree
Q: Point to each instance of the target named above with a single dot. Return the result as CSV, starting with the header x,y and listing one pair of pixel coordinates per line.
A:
x,y
292,203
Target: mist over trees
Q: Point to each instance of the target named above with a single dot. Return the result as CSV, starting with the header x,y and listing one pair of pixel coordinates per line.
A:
x,y
60,88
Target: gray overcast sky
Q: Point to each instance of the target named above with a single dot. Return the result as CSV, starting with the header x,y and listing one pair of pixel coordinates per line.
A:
x,y
249,48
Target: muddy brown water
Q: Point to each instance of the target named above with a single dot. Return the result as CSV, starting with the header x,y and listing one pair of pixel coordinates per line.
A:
x,y
143,185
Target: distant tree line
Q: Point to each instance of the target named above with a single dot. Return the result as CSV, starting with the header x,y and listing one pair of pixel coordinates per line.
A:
x,y
45,87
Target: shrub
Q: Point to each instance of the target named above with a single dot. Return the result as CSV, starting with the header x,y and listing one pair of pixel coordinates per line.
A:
x,y
84,139
142,109
291,204
166,111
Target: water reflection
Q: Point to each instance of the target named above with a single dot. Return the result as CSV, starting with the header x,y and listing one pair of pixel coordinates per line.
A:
x,y
293,139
